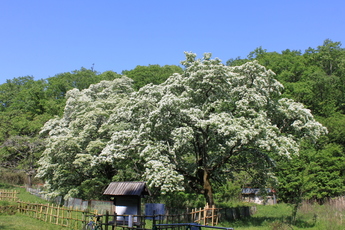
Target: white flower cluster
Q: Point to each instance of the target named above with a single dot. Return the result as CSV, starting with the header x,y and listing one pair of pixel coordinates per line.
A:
x,y
163,176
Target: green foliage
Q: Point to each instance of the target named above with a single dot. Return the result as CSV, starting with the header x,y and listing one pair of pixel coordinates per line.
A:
x,y
179,200
12,177
155,74
4,202
5,185
313,174
315,78
22,108
336,127
229,192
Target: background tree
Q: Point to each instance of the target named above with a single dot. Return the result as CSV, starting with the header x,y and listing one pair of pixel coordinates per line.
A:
x,y
155,74
58,85
23,107
22,152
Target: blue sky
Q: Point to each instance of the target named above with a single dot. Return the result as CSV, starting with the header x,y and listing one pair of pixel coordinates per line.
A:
x,y
48,37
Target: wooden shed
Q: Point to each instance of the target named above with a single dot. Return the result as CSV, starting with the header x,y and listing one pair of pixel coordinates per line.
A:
x,y
127,196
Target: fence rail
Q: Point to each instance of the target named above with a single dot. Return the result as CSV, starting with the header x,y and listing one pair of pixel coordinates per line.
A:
x,y
8,195
206,216
140,222
54,214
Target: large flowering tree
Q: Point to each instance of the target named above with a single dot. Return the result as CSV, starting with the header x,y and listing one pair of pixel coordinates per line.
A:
x,y
199,125
193,129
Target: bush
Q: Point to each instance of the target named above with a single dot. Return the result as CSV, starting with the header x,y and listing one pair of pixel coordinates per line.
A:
x,y
12,177
5,186
279,225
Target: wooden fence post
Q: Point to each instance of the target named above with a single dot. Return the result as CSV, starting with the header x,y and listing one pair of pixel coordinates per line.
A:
x,y
205,214
212,215
106,219
51,212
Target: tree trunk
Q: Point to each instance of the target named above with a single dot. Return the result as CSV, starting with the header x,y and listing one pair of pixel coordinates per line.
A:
x,y
208,193
29,177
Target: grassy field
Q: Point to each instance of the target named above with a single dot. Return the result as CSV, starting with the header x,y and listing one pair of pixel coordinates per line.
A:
x,y
309,216
20,222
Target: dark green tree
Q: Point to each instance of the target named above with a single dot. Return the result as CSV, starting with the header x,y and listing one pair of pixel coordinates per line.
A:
x,y
314,174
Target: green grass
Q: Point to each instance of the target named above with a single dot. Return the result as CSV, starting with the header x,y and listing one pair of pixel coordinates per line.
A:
x,y
6,186
266,217
20,222
27,197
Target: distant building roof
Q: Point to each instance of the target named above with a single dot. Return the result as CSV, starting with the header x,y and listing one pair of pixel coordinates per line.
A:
x,y
127,189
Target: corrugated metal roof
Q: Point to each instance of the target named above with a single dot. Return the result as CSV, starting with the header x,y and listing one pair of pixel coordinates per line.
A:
x,y
127,189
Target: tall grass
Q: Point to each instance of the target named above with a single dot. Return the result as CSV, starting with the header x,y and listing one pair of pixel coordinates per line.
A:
x,y
330,215
266,217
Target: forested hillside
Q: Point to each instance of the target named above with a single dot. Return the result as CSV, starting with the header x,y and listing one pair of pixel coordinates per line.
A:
x,y
93,128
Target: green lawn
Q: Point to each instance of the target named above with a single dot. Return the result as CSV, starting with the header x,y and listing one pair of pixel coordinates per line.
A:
x,y
277,217
20,222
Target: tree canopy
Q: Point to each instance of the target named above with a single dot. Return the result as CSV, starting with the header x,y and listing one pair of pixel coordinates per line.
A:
x,y
155,74
191,130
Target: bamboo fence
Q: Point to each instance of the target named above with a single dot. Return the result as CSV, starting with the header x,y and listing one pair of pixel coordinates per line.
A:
x,y
8,195
206,216
54,214
74,218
